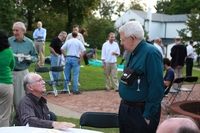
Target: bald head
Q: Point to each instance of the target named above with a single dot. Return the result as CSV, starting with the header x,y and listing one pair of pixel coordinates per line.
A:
x,y
172,125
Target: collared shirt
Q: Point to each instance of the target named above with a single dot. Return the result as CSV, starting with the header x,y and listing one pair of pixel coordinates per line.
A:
x,y
91,51
147,62
159,48
56,44
190,50
73,47
25,47
79,37
33,111
169,75
106,53
39,32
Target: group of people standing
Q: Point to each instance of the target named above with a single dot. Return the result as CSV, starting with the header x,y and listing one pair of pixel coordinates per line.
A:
x,y
140,106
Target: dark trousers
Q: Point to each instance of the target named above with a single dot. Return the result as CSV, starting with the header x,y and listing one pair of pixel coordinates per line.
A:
x,y
189,66
132,121
85,59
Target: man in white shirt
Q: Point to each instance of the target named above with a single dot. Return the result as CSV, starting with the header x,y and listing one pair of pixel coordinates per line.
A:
x,y
75,52
80,38
189,59
157,44
109,53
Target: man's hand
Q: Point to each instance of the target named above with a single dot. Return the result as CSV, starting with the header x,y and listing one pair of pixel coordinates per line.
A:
x,y
62,125
114,53
147,121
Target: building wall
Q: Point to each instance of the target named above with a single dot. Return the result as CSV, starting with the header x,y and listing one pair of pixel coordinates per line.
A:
x,y
156,29
126,17
171,29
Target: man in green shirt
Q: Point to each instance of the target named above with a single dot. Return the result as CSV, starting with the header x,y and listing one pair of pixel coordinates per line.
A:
x,y
25,54
140,107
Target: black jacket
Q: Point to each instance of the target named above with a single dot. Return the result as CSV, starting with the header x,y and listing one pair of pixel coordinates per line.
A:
x,y
178,54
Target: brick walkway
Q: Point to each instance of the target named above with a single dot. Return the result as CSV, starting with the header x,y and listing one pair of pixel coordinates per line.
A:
x,y
99,101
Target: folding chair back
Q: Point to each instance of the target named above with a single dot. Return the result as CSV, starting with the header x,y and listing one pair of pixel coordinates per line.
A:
x,y
99,120
42,69
176,90
190,79
52,116
173,92
57,69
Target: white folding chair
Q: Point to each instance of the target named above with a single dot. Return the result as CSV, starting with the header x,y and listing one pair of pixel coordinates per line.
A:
x,y
190,79
54,81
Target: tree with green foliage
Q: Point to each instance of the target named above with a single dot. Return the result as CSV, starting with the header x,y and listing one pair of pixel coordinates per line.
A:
x,y
29,9
78,10
109,8
163,7
7,15
192,29
98,30
177,6
137,5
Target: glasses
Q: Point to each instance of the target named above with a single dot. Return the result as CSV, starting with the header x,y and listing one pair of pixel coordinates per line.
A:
x,y
123,40
39,80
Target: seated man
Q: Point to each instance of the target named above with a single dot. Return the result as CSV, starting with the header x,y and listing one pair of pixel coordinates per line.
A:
x,y
90,54
169,75
181,124
32,109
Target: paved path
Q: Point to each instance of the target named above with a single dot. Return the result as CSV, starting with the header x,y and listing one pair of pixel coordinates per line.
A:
x,y
95,101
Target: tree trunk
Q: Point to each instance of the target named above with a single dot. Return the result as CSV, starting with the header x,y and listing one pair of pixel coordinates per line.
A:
x,y
70,17
29,18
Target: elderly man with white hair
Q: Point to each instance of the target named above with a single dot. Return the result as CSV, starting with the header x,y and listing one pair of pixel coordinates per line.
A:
x,y
140,109
157,44
25,54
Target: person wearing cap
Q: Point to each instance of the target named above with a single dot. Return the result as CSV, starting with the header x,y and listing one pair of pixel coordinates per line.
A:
x,y
189,59
178,54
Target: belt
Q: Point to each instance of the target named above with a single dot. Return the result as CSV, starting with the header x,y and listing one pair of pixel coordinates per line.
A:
x,y
73,56
39,40
15,69
133,103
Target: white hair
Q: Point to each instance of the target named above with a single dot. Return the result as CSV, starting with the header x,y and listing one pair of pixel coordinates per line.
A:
x,y
20,24
133,28
62,33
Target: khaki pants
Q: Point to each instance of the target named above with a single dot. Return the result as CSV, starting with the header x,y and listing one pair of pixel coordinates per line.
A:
x,y
40,48
6,99
111,68
19,92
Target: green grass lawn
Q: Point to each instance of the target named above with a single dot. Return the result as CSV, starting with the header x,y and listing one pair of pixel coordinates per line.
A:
x,y
91,79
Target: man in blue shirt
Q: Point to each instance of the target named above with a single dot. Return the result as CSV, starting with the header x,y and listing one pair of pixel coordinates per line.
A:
x,y
169,75
39,36
90,54
140,107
